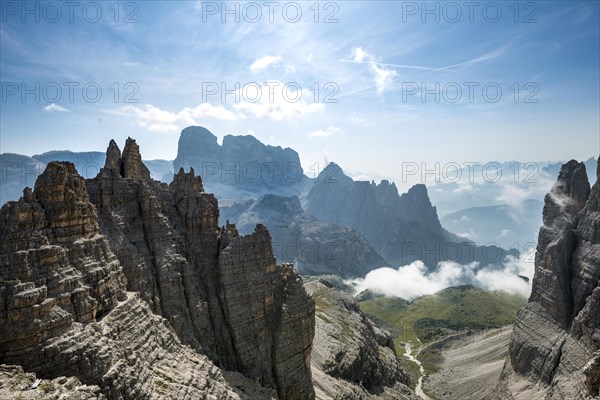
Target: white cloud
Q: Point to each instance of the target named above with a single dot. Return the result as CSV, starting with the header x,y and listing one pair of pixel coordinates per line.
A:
x,y
363,177
504,233
277,101
467,235
290,69
55,107
158,120
264,62
330,131
382,76
415,280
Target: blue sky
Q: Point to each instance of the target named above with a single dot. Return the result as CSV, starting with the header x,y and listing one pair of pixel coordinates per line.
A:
x,y
375,61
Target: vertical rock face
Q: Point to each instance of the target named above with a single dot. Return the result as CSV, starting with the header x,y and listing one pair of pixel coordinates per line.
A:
x,y
131,162
556,242
352,358
70,250
55,268
315,247
557,333
222,293
242,162
402,228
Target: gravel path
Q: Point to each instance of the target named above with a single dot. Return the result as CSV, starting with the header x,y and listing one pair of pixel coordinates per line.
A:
x,y
471,366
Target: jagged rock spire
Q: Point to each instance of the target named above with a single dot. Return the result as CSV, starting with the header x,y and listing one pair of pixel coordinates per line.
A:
x,y
183,181
113,156
133,167
129,164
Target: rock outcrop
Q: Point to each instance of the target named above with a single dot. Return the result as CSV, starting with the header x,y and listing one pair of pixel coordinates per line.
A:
x,y
315,247
241,167
352,358
16,383
108,280
556,340
402,228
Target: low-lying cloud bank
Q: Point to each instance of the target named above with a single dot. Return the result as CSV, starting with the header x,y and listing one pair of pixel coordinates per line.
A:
x,y
414,280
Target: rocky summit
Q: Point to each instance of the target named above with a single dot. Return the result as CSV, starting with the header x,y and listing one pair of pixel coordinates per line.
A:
x,y
555,346
130,288
401,228
352,358
242,166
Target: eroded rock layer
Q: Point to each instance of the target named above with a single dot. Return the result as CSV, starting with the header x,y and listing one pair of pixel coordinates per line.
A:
x,y
74,252
352,358
557,335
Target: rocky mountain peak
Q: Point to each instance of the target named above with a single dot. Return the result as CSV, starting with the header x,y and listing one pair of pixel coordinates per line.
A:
x,y
133,167
241,162
274,203
150,280
113,156
556,339
333,173
415,204
183,181
61,191
569,193
128,164
60,182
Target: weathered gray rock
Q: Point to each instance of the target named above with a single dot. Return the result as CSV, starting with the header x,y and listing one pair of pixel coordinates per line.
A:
x,y
402,228
64,258
17,384
352,358
315,247
557,335
64,310
222,293
131,162
241,165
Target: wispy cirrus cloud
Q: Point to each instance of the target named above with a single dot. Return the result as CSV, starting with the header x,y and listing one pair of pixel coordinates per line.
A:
x,y
330,131
55,107
264,62
382,76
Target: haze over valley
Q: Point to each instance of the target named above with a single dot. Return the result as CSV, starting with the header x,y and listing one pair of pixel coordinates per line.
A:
x,y
357,200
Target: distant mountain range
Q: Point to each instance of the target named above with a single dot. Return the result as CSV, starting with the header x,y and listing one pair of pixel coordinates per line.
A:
x,y
332,224
505,225
402,228
315,247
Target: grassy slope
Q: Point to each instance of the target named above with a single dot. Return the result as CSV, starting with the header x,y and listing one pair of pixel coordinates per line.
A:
x,y
432,317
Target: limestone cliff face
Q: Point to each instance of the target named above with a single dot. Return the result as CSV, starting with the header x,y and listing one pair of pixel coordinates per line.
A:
x,y
557,335
71,249
241,163
402,228
64,310
352,358
55,268
315,247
